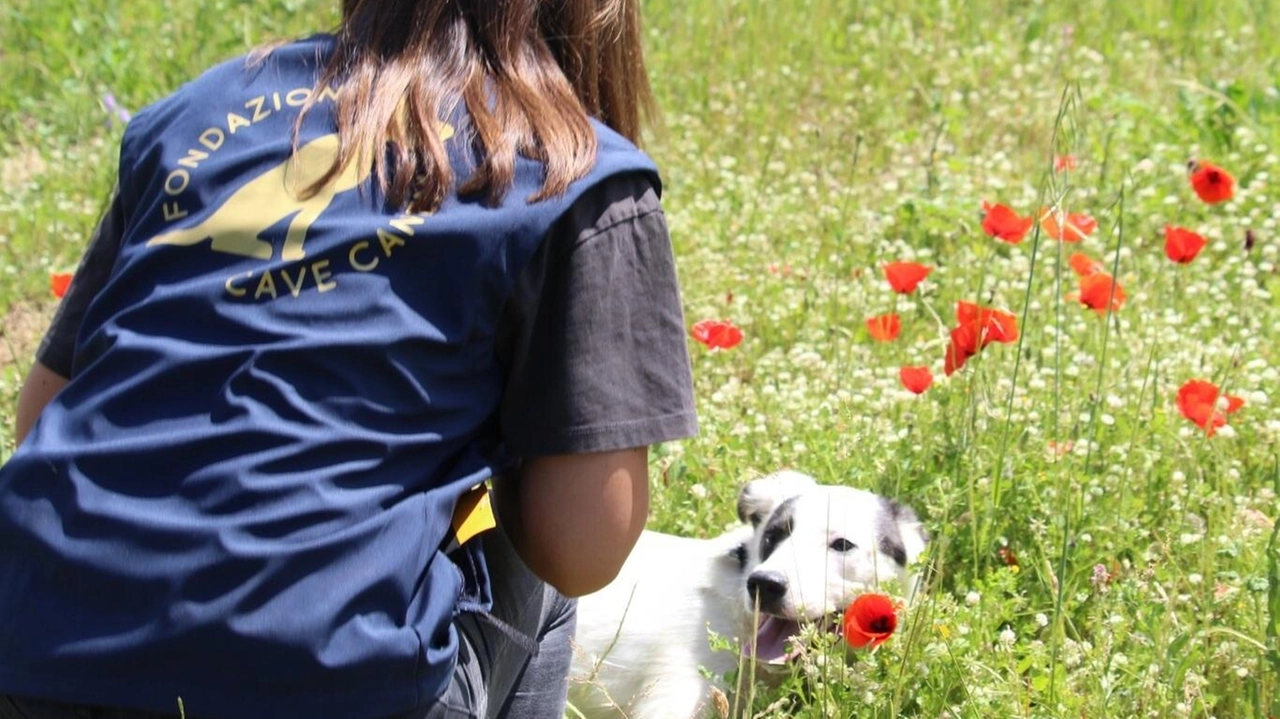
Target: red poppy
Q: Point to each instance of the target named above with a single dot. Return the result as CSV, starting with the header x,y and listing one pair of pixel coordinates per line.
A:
x,y
1085,265
904,277
1066,226
885,328
916,379
1182,245
59,282
1198,401
1064,162
976,328
1003,223
869,621
1211,183
717,334
1099,291
993,325
963,345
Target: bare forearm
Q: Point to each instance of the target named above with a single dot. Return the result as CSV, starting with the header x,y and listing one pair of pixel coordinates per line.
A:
x,y
575,518
40,386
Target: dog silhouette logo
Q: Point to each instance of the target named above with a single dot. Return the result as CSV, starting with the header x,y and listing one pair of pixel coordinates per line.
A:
x,y
236,226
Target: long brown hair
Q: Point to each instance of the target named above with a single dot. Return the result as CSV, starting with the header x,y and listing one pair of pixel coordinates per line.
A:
x,y
530,72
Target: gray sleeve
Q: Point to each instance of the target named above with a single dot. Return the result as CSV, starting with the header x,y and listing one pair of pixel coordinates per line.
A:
x,y
57,349
593,336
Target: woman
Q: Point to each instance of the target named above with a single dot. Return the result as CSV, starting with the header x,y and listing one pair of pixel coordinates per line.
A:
x,y
343,283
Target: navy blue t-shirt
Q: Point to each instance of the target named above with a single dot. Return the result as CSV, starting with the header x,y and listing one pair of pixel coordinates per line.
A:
x,y
242,496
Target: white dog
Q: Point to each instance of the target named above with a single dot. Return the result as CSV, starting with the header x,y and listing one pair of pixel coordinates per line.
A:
x,y
806,551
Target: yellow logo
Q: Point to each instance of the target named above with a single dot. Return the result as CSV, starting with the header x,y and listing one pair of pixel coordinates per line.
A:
x,y
237,225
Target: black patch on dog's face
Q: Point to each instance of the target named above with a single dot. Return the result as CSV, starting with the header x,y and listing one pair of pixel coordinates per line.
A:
x,y
891,513
739,553
778,528
892,547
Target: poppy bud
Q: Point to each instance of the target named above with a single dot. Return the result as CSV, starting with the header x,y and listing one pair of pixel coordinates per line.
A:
x,y
59,283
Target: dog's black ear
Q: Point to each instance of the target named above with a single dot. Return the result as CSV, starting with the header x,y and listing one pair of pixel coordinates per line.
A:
x,y
904,516
897,511
745,515
744,511
758,498
896,518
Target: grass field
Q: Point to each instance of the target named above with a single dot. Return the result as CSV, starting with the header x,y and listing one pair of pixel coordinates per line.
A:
x,y
1095,553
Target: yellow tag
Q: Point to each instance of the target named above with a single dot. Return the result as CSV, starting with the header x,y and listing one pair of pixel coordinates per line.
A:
x,y
473,515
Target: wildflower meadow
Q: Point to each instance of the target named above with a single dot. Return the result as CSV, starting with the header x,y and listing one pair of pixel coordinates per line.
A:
x,y
1014,264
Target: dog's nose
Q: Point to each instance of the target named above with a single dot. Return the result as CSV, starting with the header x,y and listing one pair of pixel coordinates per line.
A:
x,y
767,589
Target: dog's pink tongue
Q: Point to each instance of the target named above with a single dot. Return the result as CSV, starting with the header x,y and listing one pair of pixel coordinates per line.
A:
x,y
771,639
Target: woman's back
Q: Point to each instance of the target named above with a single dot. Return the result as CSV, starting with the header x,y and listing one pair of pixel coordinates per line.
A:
x,y
278,397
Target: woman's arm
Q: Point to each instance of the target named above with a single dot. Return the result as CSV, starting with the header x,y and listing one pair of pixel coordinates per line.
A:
x,y
574,518
593,342
56,354
40,386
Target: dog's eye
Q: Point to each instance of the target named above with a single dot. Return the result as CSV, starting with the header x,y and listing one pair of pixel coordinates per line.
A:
x,y
843,545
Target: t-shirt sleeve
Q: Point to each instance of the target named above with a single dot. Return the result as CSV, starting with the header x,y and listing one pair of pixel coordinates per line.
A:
x,y
57,349
593,335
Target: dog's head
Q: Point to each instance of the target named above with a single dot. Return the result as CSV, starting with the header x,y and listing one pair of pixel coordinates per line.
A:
x,y
815,548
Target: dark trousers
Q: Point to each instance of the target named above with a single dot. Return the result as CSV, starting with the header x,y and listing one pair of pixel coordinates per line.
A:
x,y
497,676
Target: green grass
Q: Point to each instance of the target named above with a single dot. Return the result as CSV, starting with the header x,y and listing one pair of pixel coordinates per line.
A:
x,y
804,144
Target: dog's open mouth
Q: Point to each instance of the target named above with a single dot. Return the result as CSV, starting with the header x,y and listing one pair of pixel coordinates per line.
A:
x,y
777,638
